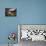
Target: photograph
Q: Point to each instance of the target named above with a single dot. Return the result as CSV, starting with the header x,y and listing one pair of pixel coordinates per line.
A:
x,y
10,12
31,34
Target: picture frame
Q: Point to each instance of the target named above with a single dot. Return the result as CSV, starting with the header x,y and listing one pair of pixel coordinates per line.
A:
x,y
10,12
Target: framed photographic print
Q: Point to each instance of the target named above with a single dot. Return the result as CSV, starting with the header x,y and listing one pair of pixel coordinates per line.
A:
x,y
32,32
10,12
